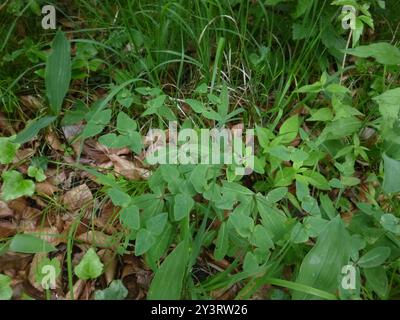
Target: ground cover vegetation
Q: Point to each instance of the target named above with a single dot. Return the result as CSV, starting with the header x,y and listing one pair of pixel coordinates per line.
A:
x,y
319,216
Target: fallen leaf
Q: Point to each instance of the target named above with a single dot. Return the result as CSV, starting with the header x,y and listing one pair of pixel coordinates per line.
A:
x,y
77,197
128,169
46,188
5,211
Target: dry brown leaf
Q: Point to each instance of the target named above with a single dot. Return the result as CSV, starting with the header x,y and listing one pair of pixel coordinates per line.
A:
x,y
31,102
128,169
5,125
14,261
7,229
77,290
77,197
54,142
46,188
110,264
32,271
23,154
96,238
5,211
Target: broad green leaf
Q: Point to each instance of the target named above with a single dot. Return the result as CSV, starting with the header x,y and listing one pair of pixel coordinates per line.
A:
x,y
272,219
111,140
323,114
157,223
125,123
6,291
389,103
118,197
8,150
144,241
26,243
115,291
130,217
36,173
276,195
96,123
168,280
316,179
243,224
196,105
289,129
198,177
377,280
250,263
90,267
383,52
299,234
390,223
260,238
182,206
374,258
33,128
310,205
58,72
163,241
321,267
340,128
391,181
15,186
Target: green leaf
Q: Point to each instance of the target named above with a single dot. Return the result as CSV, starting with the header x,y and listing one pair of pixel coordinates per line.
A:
x,y
144,241
377,280
390,223
323,114
289,129
276,195
8,150
115,291
182,206
111,140
260,238
96,123
391,181
196,105
316,179
26,243
15,186
250,263
321,267
168,280
125,123
90,267
389,105
157,223
374,258
33,128
198,177
243,224
272,219
36,173
222,243
299,234
310,205
58,72
383,52
6,291
130,217
118,197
